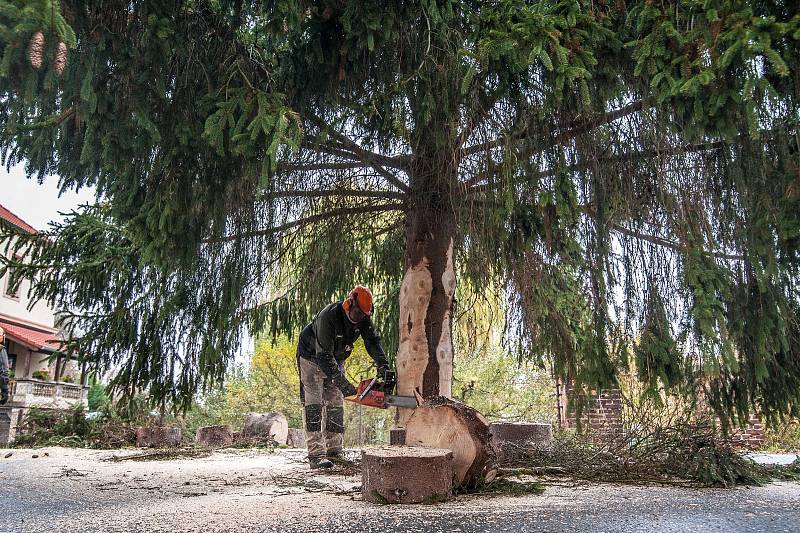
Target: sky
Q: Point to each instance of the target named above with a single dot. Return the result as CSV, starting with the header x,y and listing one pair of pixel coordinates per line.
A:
x,y
37,204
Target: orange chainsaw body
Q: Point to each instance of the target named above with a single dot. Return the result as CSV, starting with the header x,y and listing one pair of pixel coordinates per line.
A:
x,y
377,392
369,395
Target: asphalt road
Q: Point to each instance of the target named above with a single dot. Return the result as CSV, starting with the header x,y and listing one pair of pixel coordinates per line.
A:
x,y
252,491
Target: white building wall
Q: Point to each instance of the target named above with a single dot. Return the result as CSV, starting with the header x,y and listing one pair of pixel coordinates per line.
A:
x,y
17,308
28,362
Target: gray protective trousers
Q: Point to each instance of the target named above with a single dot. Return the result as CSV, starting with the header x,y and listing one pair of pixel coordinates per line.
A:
x,y
323,410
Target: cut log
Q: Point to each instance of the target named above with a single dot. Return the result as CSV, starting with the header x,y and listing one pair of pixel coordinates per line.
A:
x,y
406,474
445,423
214,436
296,438
266,425
158,437
522,433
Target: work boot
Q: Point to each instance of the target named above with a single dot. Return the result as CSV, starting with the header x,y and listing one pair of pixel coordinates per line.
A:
x,y
319,462
338,458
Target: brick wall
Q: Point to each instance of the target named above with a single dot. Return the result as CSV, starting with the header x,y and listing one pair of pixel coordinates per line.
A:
x,y
752,436
600,421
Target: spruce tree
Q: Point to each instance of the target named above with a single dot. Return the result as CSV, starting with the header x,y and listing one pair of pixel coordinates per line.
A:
x,y
619,177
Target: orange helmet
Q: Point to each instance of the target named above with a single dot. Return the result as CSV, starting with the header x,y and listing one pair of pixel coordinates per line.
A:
x,y
362,297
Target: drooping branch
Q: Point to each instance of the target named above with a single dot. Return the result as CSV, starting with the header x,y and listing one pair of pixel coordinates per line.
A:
x,y
666,243
312,167
340,151
485,106
473,184
49,122
343,193
398,162
572,131
584,126
308,220
377,161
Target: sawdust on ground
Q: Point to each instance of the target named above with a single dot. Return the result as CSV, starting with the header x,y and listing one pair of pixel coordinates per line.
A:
x,y
254,490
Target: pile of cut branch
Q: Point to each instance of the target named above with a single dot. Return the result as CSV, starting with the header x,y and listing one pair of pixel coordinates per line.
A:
x,y
162,454
690,454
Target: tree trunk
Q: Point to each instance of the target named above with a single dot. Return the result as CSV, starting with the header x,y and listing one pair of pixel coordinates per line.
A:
x,y
425,352
444,423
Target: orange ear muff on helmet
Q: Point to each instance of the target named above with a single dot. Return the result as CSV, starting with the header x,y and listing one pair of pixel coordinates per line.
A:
x,y
362,297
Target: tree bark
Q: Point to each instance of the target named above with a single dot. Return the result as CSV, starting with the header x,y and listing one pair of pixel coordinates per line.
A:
x,y
425,353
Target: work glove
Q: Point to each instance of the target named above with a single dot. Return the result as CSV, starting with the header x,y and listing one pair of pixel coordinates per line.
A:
x,y
346,387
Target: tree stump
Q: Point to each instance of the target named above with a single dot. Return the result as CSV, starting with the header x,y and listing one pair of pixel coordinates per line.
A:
x,y
406,474
296,438
266,425
158,437
214,436
445,423
521,433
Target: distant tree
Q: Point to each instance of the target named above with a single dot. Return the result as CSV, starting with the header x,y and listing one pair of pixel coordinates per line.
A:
x,y
602,168
270,382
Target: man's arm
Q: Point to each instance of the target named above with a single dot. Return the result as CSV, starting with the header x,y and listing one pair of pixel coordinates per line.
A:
x,y
372,342
325,338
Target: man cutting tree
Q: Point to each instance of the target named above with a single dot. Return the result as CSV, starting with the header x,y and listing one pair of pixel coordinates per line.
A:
x,y
324,346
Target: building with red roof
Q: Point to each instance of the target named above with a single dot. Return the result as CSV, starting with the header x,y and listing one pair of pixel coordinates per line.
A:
x,y
41,375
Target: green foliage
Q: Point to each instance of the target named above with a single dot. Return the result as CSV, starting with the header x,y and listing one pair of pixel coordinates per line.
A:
x,y
115,427
97,397
783,438
624,174
43,375
54,427
658,361
499,387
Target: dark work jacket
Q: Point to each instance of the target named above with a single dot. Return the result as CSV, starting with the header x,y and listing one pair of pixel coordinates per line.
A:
x,y
328,341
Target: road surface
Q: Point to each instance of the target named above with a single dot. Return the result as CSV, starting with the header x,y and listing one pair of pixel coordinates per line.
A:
x,y
254,491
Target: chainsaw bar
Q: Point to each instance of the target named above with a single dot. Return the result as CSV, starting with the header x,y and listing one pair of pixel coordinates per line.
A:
x,y
409,402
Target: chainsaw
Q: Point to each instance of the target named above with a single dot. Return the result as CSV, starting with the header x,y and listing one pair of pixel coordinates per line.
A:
x,y
378,392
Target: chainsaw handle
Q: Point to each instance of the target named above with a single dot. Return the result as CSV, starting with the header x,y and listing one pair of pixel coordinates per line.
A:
x,y
367,389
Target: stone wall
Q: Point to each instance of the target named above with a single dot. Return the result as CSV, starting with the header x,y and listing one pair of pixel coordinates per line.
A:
x,y
10,418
